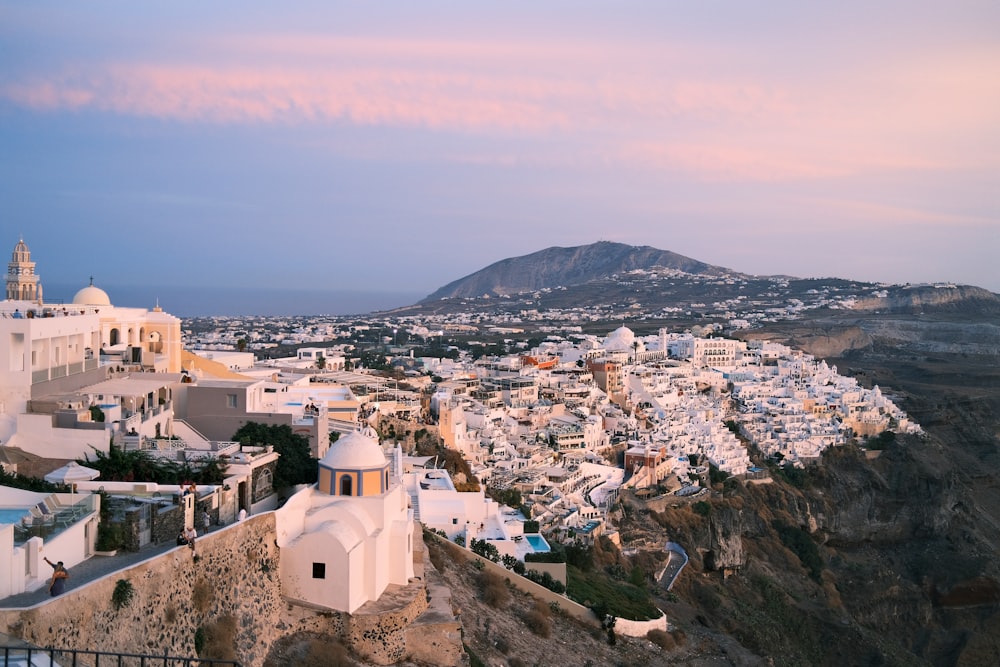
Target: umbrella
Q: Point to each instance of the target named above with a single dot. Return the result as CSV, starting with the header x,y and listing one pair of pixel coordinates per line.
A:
x,y
71,473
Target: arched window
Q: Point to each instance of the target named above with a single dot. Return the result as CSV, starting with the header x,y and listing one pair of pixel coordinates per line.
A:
x,y
386,487
266,480
346,484
114,337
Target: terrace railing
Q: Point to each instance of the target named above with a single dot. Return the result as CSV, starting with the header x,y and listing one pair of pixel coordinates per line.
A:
x,y
31,656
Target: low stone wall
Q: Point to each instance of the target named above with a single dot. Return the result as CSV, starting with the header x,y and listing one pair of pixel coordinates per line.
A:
x,y
172,597
660,503
234,584
556,570
624,626
571,607
377,631
435,637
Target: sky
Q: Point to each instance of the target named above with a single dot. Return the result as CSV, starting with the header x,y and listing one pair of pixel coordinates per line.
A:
x,y
390,148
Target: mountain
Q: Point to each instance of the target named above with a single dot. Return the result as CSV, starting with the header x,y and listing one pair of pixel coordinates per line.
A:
x,y
563,267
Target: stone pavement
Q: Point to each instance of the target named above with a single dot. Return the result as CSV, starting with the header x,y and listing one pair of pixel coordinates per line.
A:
x,y
92,569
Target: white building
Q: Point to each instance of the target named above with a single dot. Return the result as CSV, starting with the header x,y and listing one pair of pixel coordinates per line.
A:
x,y
51,353
349,537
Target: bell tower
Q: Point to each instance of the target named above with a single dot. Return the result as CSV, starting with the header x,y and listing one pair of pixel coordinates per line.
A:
x,y
22,282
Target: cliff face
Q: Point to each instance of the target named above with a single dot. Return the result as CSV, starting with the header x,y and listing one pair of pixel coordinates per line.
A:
x,y
554,267
926,298
903,545
820,341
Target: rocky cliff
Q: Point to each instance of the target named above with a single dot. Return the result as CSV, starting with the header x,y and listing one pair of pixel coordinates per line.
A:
x,y
931,298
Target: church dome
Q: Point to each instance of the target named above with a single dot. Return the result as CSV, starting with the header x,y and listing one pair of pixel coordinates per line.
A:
x,y
619,340
355,451
91,296
21,251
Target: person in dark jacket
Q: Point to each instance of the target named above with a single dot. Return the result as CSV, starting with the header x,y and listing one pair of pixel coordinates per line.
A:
x,y
59,577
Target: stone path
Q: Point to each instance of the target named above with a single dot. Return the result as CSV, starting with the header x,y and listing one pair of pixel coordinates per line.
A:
x,y
90,570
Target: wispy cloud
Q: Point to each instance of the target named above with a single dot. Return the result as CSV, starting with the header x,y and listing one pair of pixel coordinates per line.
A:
x,y
647,106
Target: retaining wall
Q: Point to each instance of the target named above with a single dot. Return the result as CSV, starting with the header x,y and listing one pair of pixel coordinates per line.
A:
x,y
235,579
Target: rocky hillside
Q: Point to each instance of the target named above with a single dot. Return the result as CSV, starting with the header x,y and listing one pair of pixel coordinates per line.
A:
x,y
555,267
930,298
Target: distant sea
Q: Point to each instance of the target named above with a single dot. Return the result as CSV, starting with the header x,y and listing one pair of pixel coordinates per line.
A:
x,y
206,301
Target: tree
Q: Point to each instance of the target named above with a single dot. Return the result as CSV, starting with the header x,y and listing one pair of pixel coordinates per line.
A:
x,y
295,463
485,549
320,362
119,465
241,345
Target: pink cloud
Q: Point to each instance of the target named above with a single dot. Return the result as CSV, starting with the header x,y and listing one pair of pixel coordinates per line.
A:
x,y
644,106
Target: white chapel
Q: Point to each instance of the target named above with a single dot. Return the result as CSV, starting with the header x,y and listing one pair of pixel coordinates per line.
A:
x,y
344,540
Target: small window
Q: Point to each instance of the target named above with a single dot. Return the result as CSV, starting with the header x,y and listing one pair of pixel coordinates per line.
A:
x,y
230,400
319,570
454,522
346,486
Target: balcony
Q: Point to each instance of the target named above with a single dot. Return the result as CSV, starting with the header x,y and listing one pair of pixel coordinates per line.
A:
x,y
63,370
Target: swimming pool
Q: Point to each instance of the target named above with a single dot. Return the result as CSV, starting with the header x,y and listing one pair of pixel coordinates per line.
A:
x,y
537,542
13,514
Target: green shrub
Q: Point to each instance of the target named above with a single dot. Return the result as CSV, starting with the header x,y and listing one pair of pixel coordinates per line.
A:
x,y
485,549
545,557
545,579
494,590
199,640
539,619
123,594
110,536
661,638
620,599
802,545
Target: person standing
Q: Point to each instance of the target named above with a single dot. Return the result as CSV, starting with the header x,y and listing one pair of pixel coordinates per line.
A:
x,y
59,577
206,520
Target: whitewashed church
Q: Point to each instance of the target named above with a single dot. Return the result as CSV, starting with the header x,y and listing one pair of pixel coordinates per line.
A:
x,y
344,540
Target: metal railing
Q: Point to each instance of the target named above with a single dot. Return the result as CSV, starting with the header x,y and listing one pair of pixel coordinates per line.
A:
x,y
51,657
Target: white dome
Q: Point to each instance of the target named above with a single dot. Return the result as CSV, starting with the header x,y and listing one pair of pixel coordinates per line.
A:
x,y
91,296
355,451
620,339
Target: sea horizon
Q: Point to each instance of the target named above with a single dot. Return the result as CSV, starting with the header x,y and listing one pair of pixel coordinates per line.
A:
x,y
188,301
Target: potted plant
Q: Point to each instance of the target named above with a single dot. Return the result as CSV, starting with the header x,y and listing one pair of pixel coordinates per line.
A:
x,y
110,538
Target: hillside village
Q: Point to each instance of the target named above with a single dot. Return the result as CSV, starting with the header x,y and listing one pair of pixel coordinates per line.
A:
x,y
567,418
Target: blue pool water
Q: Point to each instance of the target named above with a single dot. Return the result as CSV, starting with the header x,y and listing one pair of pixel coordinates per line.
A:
x,y
12,514
537,542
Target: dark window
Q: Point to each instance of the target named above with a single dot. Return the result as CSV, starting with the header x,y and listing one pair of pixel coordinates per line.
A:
x,y
319,570
345,486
